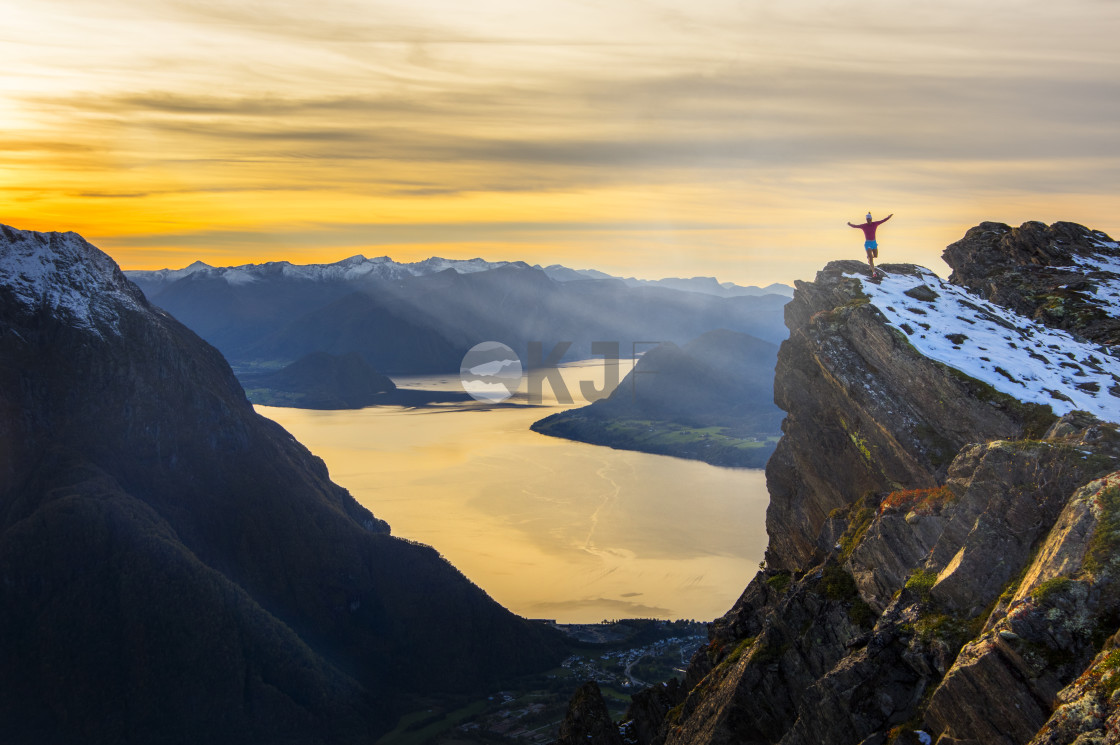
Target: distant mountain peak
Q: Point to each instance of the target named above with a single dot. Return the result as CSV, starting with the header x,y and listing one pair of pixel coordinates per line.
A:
x,y
62,274
461,266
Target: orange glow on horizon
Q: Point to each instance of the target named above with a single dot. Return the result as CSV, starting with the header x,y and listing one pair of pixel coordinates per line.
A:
x,y
716,139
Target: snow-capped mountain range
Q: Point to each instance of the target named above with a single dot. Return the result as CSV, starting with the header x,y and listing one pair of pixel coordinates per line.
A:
x,y
357,268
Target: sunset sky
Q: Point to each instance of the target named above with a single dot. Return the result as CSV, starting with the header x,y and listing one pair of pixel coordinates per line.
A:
x,y
641,137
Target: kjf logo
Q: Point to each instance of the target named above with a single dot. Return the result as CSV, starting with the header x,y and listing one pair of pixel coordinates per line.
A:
x,y
491,371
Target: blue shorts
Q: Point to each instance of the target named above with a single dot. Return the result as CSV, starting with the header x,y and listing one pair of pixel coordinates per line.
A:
x,y
870,245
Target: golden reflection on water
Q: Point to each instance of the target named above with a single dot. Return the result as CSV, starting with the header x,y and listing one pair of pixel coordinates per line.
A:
x,y
548,527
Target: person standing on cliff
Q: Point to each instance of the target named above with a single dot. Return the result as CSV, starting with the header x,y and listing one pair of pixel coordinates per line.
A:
x,y
871,244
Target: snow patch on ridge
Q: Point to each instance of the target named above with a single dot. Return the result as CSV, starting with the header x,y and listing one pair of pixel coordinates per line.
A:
x,y
64,274
1013,354
1106,289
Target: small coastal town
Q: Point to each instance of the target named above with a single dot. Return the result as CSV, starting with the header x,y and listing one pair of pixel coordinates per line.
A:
x,y
623,657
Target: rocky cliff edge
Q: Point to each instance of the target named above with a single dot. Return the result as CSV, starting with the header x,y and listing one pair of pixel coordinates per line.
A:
x,y
945,511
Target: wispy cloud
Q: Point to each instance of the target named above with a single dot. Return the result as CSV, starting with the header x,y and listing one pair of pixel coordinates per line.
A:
x,y
564,113
609,607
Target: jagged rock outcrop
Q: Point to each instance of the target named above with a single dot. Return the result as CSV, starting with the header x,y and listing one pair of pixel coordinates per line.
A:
x,y
588,719
176,568
1005,684
754,692
944,521
1089,710
924,624
1064,275
648,709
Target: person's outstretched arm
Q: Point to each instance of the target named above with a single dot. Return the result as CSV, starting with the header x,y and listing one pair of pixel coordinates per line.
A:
x,y
852,226
887,217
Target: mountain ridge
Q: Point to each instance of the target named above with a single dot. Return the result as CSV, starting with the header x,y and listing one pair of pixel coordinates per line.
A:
x,y
359,267
426,323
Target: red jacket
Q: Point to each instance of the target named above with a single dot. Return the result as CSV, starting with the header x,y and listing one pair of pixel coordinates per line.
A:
x,y
868,228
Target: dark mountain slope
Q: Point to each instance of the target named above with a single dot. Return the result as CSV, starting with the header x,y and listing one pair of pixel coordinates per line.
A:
x,y
320,381
176,567
710,401
391,339
232,316
114,631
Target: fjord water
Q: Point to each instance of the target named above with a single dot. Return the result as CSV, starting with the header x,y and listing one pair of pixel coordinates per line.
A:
x,y
549,528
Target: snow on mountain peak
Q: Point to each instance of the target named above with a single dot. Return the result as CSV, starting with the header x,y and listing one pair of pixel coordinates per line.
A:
x,y
239,276
64,274
1015,355
462,266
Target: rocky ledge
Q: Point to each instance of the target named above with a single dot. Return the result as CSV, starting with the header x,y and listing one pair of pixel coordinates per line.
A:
x,y
945,513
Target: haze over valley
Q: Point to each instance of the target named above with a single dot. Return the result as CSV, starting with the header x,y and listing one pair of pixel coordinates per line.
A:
x,y
550,529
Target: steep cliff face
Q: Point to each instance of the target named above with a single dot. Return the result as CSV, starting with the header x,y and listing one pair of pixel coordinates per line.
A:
x,y
945,519
866,412
174,567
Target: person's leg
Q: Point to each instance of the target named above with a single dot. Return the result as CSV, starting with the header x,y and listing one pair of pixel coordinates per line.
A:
x,y
872,254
